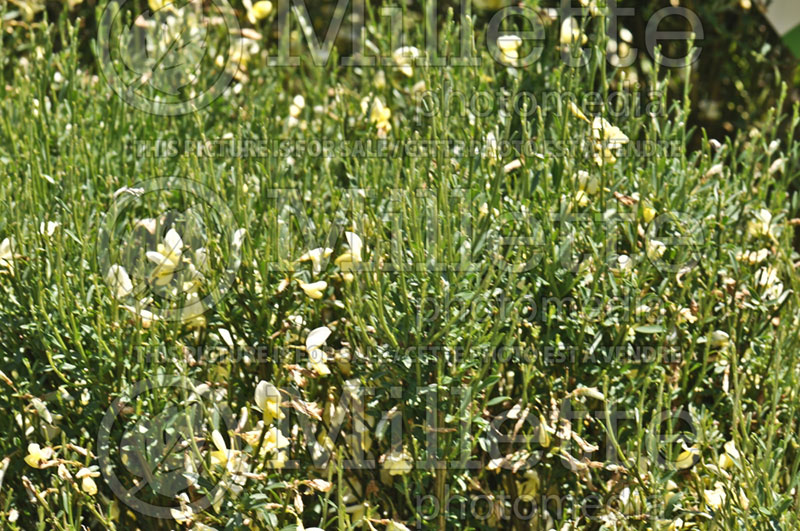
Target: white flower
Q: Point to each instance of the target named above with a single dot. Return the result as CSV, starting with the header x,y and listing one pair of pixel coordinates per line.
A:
x,y
119,281
49,228
655,249
404,58
762,224
7,248
317,357
167,257
87,483
719,339
571,32
509,46
37,455
607,139
767,278
714,498
192,312
184,514
268,400
316,256
349,261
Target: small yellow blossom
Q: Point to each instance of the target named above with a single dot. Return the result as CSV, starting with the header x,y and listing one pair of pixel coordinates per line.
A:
x,y
719,339
687,458
648,213
192,312
404,58
258,11
761,225
313,289
119,281
155,5
686,315
714,498
729,456
87,483
37,456
315,256
379,114
753,257
7,254
571,32
268,400
167,257
577,112
398,463
607,139
509,46
317,357
588,183
349,260
655,249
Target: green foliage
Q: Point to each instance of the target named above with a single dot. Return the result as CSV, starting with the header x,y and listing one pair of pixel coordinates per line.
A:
x,y
568,322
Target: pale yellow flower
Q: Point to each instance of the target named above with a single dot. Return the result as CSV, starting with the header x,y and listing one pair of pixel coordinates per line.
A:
x,y
686,315
719,339
37,456
687,458
648,213
398,463
509,46
119,281
258,11
655,249
571,32
268,400
155,5
48,228
192,312
313,289
607,140
274,440
379,114
404,58
577,112
315,256
167,257
714,498
731,454
7,253
184,514
753,257
349,260
317,357
767,278
87,483
761,225
588,183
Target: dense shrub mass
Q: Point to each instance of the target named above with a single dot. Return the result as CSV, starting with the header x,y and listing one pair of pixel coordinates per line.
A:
x,y
494,283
